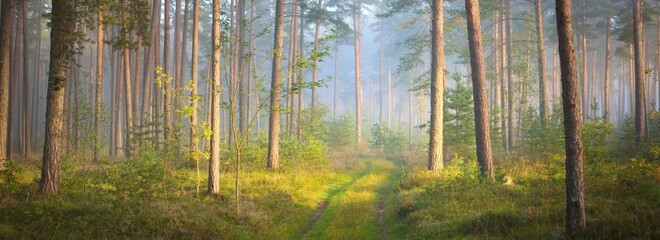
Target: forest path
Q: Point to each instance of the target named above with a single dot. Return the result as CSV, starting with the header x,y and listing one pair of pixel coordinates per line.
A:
x,y
360,208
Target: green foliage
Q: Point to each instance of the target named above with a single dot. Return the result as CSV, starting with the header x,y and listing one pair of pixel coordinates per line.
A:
x,y
542,140
526,201
459,120
341,131
131,200
9,178
594,138
392,141
624,142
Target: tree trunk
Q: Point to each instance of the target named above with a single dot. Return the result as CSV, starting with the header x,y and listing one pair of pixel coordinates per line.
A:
x,y
214,160
178,82
182,55
389,94
292,73
640,103
276,76
26,86
167,92
481,118
149,71
242,82
128,86
496,59
543,92
249,69
194,74
435,161
6,22
575,207
358,79
317,31
301,73
335,79
99,82
509,85
585,78
63,26
503,78
381,73
606,100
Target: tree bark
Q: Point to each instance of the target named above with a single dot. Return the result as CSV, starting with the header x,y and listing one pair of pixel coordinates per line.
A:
x,y
543,92
167,92
389,94
214,160
242,82
640,103
575,207
26,86
503,78
128,86
381,73
435,161
335,79
477,64
317,31
358,79
606,100
276,76
6,22
509,85
99,82
62,44
194,74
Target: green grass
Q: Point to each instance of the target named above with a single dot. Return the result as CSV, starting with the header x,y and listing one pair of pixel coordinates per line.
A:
x,y
133,200
623,201
352,213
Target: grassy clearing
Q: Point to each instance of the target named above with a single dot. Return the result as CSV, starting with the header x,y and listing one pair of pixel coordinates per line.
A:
x,y
133,200
527,201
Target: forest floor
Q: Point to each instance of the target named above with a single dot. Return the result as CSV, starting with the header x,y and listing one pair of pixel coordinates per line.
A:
x,y
349,197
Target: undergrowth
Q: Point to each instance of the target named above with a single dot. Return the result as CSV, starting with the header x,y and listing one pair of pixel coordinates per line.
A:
x,y
526,201
140,199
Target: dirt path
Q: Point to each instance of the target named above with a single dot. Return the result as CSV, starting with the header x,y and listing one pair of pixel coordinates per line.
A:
x,y
315,217
380,209
359,208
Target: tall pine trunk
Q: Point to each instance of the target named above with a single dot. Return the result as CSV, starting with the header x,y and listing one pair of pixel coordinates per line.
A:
x,y
63,26
167,90
27,148
6,22
358,79
317,31
99,82
477,64
276,78
640,103
575,207
543,92
606,97
435,161
214,160
194,74
242,82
